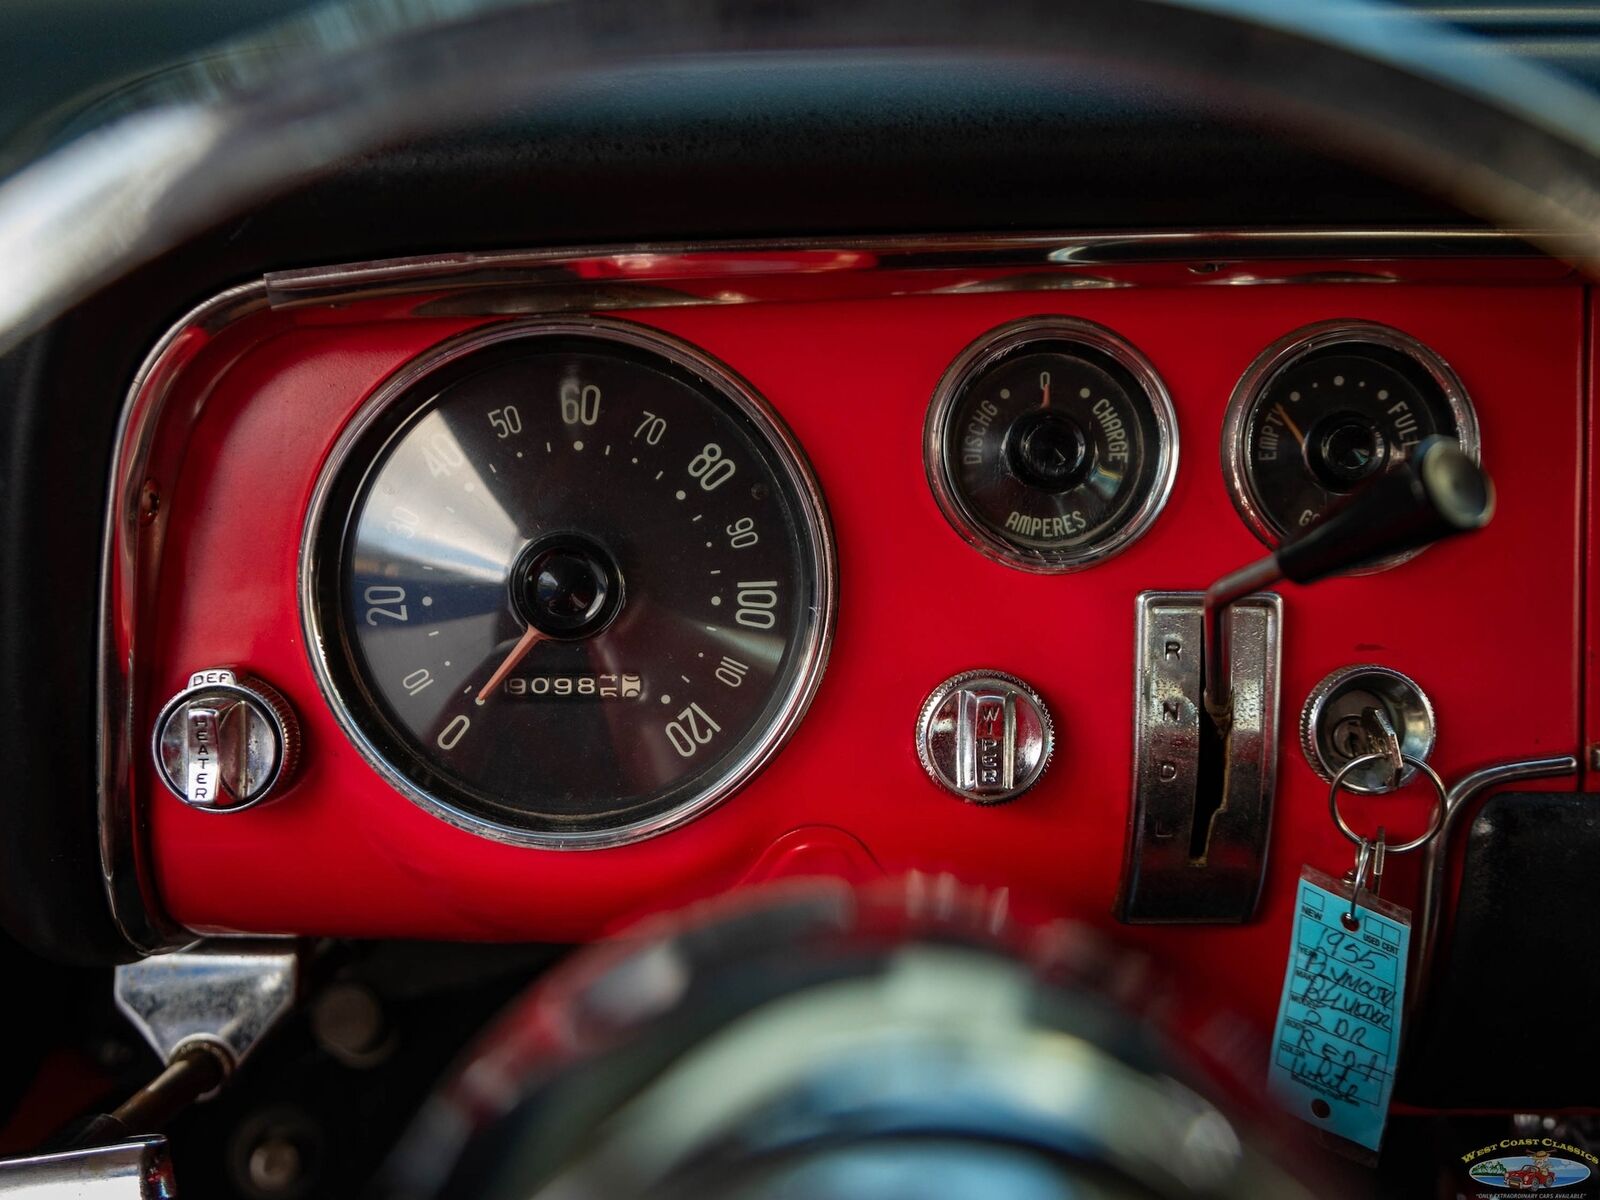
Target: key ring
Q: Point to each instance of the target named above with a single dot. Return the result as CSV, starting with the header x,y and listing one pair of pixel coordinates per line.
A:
x,y
1403,847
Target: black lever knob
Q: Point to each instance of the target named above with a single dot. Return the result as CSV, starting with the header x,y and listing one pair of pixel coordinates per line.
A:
x,y
1436,493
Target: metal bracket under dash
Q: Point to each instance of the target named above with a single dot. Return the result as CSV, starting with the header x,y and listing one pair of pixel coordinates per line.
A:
x,y
1202,787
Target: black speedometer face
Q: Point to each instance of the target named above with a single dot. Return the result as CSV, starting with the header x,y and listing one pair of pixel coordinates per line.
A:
x,y
1050,444
569,584
1326,409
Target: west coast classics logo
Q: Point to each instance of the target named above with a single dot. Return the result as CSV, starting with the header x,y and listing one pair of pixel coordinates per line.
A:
x,y
1532,1165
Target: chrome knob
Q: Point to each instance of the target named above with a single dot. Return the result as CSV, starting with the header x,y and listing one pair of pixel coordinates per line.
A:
x,y
226,742
984,735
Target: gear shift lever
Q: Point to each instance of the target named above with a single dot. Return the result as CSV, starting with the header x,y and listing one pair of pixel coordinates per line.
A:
x,y
1436,493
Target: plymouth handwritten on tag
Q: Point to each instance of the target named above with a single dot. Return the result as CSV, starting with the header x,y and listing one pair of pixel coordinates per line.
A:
x,y
1337,1038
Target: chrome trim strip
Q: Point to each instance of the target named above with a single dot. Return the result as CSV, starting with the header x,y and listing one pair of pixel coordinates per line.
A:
x,y
1286,351
129,557
131,553
1436,854
645,263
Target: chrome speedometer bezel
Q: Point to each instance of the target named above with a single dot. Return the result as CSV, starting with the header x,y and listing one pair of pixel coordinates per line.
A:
x,y
816,533
1290,349
987,350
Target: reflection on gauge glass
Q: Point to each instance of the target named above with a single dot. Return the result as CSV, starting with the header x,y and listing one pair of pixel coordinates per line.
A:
x,y
1051,444
1327,408
567,584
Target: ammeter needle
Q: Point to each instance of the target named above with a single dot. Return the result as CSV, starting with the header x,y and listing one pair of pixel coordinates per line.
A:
x,y
531,638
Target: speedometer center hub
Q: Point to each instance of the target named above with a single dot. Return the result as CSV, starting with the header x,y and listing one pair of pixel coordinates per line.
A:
x,y
567,586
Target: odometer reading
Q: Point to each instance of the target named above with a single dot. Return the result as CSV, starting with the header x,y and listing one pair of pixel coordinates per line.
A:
x,y
579,687
571,584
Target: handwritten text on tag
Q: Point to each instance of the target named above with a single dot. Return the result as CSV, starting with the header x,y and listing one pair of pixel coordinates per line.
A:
x,y
1338,1033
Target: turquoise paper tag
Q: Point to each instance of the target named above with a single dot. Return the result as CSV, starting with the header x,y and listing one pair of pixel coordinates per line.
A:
x,y
1338,1034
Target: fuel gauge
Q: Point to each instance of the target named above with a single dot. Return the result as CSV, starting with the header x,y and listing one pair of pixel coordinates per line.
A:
x,y
1051,444
1326,408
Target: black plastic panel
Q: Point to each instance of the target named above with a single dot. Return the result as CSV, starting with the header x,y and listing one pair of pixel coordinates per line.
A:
x,y
1513,1024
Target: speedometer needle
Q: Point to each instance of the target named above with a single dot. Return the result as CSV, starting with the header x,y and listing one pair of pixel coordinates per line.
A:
x,y
531,638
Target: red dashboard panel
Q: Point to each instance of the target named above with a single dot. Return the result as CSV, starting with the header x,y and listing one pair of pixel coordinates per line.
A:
x,y
1488,625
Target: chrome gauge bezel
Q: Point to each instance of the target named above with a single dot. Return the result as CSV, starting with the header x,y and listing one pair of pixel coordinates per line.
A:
x,y
817,534
1287,351
986,351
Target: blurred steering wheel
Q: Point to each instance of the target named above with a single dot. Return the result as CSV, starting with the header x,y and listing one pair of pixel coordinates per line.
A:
x,y
1506,141
1502,139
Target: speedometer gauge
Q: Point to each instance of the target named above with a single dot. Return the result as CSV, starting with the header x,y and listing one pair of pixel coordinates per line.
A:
x,y
1327,408
1050,444
567,584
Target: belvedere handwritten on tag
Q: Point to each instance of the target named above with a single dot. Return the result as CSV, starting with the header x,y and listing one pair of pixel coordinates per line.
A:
x,y
1337,1038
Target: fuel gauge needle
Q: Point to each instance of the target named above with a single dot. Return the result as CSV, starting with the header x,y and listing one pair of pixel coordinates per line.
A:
x,y
531,638
1293,428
